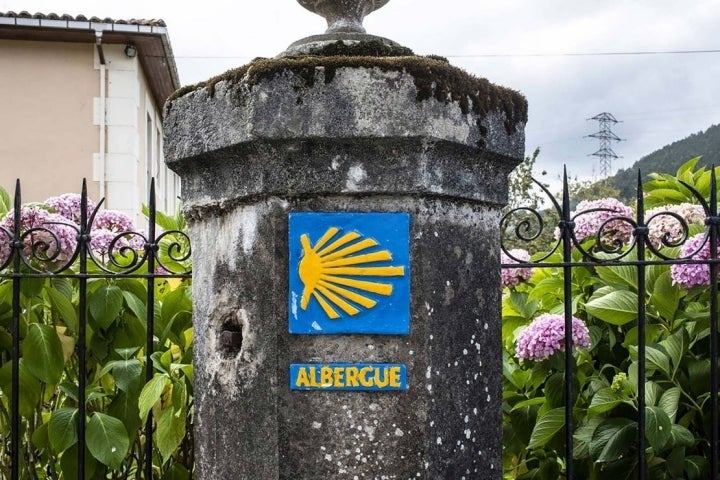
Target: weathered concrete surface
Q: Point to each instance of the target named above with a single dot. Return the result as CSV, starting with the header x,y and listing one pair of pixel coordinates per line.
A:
x,y
352,103
248,157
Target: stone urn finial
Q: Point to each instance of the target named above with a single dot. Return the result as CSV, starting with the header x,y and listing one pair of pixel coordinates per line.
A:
x,y
343,16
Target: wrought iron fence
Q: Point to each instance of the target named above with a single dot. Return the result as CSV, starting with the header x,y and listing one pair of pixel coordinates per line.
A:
x,y
623,250
73,250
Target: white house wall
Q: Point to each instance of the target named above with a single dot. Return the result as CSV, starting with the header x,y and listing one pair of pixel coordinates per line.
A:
x,y
122,154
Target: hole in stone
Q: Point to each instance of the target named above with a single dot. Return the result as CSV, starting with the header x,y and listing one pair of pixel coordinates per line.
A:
x,y
230,338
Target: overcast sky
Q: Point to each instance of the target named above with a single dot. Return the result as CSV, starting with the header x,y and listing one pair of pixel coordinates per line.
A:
x,y
527,45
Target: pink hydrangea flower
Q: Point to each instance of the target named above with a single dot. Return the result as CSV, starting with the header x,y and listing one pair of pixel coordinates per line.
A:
x,y
546,335
511,277
690,275
114,221
669,227
101,239
587,225
68,205
5,241
54,238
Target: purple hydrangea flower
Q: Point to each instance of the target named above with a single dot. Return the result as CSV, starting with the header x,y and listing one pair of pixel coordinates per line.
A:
x,y
546,335
54,238
669,227
114,221
68,205
587,225
5,240
690,275
511,277
101,239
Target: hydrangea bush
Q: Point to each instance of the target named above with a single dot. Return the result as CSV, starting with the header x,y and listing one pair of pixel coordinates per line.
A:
x,y
118,398
605,353
50,229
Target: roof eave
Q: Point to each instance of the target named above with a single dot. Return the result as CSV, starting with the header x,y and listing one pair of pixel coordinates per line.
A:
x,y
154,48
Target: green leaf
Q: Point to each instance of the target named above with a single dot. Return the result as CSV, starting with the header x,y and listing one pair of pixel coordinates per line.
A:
x,y
652,393
686,168
150,394
669,402
127,353
62,429
43,353
657,359
675,462
619,274
188,371
125,407
105,304
554,390
680,437
136,306
613,439
596,335
64,307
39,437
132,332
177,472
668,195
605,400
696,467
176,301
521,303
107,439
32,287
127,373
547,426
528,403
617,307
651,332
675,345
69,463
5,202
657,427
699,375
69,389
551,285
170,431
583,437
29,387
665,297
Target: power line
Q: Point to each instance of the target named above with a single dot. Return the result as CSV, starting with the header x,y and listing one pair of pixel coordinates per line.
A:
x,y
586,54
499,55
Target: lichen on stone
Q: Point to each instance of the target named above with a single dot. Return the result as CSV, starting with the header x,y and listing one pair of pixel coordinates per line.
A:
x,y
433,76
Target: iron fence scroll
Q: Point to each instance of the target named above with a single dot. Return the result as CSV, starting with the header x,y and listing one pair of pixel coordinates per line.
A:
x,y
37,244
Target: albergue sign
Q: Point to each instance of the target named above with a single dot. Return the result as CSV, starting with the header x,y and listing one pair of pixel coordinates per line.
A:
x,y
349,273
348,376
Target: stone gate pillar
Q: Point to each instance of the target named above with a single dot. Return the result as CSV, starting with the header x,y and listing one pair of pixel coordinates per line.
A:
x,y
343,203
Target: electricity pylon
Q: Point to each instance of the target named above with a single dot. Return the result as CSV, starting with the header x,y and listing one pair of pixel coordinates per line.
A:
x,y
606,136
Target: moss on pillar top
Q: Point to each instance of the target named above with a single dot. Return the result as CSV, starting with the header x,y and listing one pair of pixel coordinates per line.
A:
x,y
433,76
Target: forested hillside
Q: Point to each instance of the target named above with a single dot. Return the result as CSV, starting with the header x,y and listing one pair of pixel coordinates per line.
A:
x,y
670,157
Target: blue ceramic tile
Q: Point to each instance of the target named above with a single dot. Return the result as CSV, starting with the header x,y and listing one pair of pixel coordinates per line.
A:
x,y
349,273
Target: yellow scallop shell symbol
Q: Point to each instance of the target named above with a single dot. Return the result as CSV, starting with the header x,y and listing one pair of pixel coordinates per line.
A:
x,y
331,265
